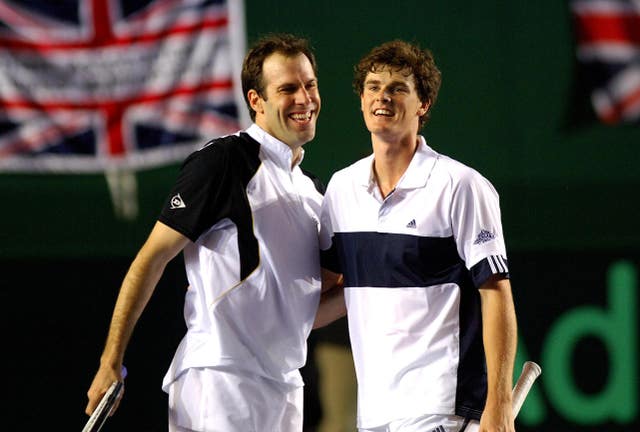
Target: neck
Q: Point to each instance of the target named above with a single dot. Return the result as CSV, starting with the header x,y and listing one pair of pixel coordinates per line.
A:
x,y
391,160
296,150
295,156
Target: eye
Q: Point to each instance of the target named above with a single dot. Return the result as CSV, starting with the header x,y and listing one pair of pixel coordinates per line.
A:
x,y
288,89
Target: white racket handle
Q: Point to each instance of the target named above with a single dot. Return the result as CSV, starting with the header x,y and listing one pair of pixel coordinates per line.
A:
x,y
102,411
530,371
104,408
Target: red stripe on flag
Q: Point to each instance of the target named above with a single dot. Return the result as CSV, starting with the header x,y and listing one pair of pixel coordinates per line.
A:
x,y
101,22
115,143
142,98
593,28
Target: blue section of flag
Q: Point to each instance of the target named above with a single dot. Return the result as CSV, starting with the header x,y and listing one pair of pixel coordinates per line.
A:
x,y
60,10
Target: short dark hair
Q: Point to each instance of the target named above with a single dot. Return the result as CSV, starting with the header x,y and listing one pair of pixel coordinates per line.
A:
x,y
402,56
283,43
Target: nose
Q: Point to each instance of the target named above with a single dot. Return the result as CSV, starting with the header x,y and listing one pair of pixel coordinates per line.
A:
x,y
303,96
384,96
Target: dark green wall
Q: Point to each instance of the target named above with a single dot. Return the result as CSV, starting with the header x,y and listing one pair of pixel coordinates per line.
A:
x,y
507,79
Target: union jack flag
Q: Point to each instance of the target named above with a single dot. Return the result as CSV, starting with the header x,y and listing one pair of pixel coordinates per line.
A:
x,y
91,85
607,36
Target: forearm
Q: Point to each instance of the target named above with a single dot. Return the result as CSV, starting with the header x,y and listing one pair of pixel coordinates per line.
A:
x,y
332,304
137,287
500,340
135,292
331,307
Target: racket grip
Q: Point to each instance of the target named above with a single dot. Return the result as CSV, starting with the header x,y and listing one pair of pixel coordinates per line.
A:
x,y
104,408
530,372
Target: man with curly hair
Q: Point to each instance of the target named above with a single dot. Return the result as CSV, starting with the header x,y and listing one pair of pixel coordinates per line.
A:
x,y
418,238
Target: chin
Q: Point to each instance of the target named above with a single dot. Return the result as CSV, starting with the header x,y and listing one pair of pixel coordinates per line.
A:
x,y
307,138
309,133
376,128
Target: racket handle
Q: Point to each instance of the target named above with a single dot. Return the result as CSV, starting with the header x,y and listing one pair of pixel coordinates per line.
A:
x,y
102,411
530,371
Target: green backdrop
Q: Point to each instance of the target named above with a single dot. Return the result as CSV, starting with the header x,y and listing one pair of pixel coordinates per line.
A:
x,y
508,71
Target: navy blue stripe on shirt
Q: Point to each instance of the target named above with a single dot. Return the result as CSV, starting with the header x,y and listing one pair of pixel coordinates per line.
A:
x,y
385,260
373,259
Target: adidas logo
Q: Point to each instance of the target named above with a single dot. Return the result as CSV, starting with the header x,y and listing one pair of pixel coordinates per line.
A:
x,y
176,202
412,224
484,236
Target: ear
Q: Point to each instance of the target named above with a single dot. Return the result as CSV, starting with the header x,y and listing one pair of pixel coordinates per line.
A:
x,y
255,101
424,107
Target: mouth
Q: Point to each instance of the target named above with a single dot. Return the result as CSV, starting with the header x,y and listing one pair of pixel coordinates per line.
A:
x,y
301,117
382,112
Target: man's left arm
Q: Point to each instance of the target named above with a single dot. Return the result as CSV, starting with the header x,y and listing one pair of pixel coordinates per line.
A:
x,y
499,333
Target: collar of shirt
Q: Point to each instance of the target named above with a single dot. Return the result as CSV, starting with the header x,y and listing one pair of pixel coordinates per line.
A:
x,y
416,175
279,151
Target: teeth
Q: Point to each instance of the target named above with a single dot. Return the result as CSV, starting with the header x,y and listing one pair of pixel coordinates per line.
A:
x,y
301,116
383,112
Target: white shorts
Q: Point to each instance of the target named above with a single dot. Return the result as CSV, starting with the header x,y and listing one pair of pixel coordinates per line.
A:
x,y
428,423
212,400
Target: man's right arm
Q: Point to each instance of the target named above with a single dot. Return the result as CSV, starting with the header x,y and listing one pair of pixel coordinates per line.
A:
x,y
162,245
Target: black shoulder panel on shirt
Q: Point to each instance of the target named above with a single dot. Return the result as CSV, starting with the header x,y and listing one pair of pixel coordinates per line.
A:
x,y
211,186
245,165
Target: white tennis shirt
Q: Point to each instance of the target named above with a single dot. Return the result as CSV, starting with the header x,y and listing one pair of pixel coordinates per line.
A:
x,y
253,264
412,264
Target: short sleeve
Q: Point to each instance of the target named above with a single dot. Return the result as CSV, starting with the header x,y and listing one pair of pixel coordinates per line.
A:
x,y
198,199
477,227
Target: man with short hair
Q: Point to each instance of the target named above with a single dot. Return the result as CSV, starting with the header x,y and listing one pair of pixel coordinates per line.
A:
x,y
247,219
418,239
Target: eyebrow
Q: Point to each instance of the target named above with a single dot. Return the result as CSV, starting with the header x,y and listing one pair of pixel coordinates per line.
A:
x,y
394,83
296,83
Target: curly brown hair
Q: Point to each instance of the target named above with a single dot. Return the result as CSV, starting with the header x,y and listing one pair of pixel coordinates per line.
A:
x,y
283,43
402,56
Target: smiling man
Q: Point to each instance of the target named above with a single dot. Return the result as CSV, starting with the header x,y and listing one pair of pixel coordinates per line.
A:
x,y
418,239
247,219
